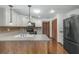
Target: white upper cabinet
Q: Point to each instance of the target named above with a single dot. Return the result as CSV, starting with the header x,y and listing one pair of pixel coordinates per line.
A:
x,y
7,23
2,16
17,19
14,18
7,17
25,21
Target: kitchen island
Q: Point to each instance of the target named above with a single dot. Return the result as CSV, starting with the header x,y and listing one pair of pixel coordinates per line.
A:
x,y
22,43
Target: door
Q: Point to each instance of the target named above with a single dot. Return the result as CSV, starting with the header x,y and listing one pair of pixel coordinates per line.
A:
x,y
46,28
54,29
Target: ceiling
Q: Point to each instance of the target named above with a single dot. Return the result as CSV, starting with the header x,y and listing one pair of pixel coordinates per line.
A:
x,y
45,9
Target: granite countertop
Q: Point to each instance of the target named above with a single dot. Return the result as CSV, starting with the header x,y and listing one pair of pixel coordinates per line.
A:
x,y
18,36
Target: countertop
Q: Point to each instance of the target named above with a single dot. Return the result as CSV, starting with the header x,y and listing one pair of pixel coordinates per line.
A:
x,y
20,36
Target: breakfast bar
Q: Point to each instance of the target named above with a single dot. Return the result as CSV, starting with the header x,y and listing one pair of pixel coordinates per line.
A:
x,y
22,43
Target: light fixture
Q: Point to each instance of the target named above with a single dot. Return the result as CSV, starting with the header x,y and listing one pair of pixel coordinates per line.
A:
x,y
10,23
29,22
37,11
10,14
52,11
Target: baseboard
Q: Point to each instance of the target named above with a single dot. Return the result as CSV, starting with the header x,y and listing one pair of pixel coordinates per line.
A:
x,y
60,43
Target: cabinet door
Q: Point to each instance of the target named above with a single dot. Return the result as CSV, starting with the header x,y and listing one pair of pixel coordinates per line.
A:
x,y
46,28
54,29
19,20
14,18
8,18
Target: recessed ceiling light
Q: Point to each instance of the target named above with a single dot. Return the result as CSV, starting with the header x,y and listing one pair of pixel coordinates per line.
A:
x,y
37,11
52,11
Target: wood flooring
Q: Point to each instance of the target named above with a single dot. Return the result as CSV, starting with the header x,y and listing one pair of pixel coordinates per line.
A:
x,y
56,48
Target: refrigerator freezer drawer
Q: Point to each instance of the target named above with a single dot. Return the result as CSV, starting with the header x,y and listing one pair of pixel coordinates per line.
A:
x,y
71,47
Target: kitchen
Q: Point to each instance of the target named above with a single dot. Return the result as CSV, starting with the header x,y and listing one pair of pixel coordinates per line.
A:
x,y
24,31
32,29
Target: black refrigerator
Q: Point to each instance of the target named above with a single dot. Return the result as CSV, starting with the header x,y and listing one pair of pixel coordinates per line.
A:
x,y
71,34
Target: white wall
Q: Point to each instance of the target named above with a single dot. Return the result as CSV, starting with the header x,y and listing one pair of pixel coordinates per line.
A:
x,y
51,26
60,18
